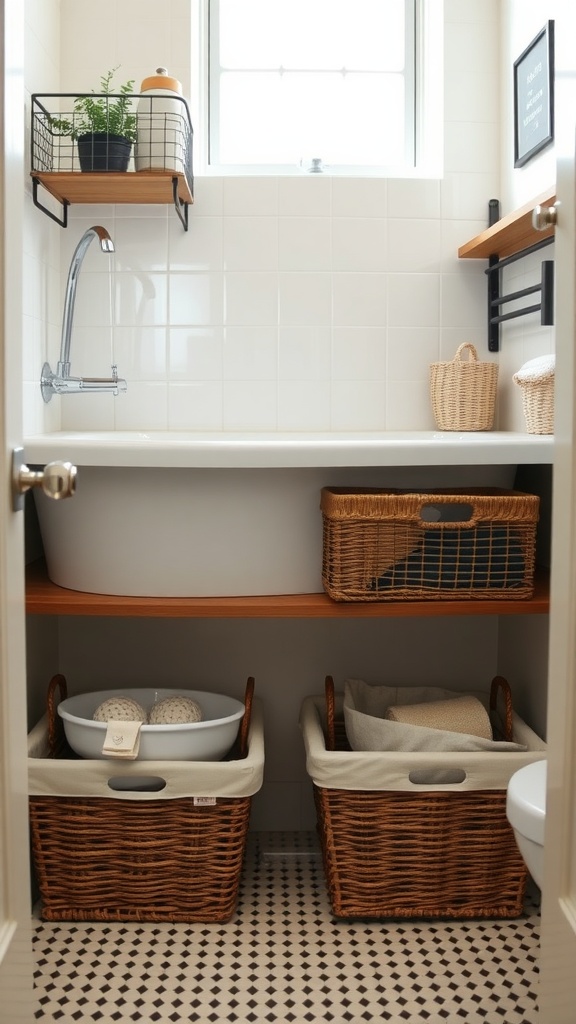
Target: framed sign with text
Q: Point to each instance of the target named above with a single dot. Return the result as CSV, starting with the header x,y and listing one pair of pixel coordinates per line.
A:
x,y
534,97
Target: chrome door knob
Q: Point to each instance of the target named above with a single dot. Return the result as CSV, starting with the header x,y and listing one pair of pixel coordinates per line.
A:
x,y
57,479
544,217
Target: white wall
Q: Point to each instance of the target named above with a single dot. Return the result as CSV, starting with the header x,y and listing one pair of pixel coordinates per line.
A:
x,y
291,303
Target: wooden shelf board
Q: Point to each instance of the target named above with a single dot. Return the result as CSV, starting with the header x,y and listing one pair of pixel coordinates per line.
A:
x,y
45,598
143,187
510,234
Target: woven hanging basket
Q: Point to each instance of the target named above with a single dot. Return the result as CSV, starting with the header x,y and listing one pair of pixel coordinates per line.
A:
x,y
536,379
463,392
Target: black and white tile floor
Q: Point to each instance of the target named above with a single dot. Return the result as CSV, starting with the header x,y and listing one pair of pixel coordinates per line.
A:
x,y
284,958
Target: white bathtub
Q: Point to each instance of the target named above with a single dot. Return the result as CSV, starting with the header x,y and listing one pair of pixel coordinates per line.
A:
x,y
190,515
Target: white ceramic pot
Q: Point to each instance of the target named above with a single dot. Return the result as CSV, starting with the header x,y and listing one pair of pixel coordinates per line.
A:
x,y
161,139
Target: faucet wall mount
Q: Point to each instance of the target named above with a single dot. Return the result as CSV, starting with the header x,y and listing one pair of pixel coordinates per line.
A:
x,y
61,382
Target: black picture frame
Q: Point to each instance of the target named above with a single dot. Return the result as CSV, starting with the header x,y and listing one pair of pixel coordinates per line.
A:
x,y
534,97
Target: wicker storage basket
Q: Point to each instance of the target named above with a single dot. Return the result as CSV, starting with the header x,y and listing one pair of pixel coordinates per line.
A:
x,y
383,545
463,393
536,379
120,854
394,848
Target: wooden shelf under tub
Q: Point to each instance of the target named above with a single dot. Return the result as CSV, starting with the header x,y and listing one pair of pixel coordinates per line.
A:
x,y
45,598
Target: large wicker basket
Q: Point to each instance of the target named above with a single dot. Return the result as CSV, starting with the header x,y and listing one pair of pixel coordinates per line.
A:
x,y
463,393
120,854
396,849
383,545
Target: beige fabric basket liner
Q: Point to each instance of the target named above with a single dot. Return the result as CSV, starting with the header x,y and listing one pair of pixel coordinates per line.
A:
x,y
367,727
87,778
391,770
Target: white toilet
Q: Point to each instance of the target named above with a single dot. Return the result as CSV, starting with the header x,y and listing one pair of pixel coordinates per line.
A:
x,y
526,812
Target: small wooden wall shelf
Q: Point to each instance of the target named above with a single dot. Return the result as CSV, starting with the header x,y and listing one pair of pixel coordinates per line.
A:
x,y
45,598
142,187
510,234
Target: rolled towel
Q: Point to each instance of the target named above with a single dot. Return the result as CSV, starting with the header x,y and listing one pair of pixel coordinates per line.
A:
x,y
464,714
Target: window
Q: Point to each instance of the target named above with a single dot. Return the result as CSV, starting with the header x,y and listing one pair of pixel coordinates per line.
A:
x,y
316,84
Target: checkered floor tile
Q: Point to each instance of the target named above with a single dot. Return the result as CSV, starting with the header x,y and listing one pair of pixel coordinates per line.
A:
x,y
284,958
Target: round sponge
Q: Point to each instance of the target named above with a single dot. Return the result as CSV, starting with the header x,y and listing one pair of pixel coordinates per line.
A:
x,y
175,711
120,709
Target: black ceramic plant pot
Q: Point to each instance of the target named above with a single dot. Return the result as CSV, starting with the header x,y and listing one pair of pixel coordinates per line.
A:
x,y
103,152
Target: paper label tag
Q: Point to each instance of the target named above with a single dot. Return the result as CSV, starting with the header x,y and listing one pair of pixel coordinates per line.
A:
x,y
204,801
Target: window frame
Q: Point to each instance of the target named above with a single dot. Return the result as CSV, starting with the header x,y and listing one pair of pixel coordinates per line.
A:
x,y
424,142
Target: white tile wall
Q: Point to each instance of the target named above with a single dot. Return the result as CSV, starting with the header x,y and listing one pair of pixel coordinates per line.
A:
x,y
296,303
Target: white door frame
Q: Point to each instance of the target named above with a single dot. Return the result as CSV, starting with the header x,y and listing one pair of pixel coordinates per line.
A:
x,y
558,942
16,999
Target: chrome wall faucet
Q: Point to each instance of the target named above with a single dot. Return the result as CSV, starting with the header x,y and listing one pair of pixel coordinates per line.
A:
x,y
61,382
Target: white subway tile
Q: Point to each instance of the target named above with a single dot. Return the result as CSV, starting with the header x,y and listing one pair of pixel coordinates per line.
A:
x,y
87,412
408,406
304,353
195,299
195,353
413,300
409,198
199,248
140,352
250,243
141,245
141,299
208,198
305,299
308,195
463,300
251,298
303,405
304,243
414,246
359,353
359,197
195,406
358,405
250,353
410,352
250,405
143,407
359,300
244,197
359,244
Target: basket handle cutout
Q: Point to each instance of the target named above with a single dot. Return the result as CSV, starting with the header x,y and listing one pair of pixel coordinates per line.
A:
x,y
437,776
137,783
447,513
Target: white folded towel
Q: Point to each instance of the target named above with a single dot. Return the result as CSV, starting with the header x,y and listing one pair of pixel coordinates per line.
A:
x,y
122,740
540,368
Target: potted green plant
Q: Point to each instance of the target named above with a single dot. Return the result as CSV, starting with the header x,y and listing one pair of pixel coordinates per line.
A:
x,y
103,126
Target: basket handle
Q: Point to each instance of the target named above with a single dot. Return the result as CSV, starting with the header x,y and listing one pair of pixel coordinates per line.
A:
x,y
57,691
330,727
499,683
472,354
245,723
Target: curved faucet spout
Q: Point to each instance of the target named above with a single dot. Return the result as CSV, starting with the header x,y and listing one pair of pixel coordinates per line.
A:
x,y
61,382
107,245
